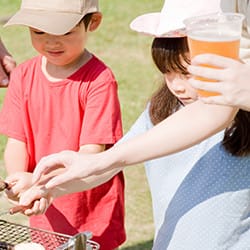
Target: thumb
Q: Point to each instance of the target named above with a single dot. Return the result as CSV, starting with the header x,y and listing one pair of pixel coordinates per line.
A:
x,y
32,194
8,63
27,198
4,79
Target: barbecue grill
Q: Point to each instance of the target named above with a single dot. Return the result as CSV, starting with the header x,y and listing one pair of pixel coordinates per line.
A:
x,y
12,234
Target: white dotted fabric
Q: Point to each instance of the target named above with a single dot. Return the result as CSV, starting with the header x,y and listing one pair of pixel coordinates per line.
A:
x,y
201,196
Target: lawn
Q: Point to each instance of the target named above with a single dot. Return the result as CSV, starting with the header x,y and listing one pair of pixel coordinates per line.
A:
x,y
128,54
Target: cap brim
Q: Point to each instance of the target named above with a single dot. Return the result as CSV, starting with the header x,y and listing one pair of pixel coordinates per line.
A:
x,y
50,22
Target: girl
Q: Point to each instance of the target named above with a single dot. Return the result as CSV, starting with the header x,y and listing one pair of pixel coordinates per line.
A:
x,y
207,181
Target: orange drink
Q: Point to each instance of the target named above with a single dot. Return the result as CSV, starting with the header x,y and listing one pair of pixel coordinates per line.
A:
x,y
224,47
217,34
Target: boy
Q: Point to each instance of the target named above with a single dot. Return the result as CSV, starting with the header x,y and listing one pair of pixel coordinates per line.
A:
x,y
64,99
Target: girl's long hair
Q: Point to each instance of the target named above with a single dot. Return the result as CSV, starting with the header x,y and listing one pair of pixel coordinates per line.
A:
x,y
169,55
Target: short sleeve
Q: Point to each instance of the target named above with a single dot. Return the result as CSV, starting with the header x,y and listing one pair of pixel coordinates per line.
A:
x,y
102,116
141,125
11,123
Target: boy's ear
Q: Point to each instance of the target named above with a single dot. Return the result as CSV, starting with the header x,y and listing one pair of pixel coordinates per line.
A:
x,y
95,21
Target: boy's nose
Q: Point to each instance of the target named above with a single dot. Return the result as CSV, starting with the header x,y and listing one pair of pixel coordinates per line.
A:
x,y
51,39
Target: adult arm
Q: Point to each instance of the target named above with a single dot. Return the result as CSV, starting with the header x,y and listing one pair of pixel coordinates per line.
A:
x,y
181,130
38,198
41,198
233,80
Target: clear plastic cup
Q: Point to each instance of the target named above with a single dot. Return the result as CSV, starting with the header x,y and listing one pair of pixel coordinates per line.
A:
x,y
217,33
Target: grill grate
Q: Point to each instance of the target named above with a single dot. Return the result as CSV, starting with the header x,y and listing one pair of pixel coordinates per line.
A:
x,y
12,234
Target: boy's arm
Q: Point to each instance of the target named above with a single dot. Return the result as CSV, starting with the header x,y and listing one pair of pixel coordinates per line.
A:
x,y
15,156
16,164
92,148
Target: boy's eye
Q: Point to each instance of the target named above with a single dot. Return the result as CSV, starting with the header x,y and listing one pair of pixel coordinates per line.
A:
x,y
38,32
68,33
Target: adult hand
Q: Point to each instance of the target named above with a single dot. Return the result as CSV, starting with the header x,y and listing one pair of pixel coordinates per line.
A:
x,y
232,79
77,166
7,64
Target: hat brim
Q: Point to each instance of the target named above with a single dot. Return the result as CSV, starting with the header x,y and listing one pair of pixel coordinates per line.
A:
x,y
49,22
146,24
149,24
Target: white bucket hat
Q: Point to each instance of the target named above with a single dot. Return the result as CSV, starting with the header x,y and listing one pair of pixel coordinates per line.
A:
x,y
169,22
53,16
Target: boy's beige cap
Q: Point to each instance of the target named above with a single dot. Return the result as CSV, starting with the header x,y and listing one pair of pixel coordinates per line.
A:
x,y
53,16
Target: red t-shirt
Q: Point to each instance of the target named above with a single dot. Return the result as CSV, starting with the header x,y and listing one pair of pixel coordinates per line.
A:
x,y
54,116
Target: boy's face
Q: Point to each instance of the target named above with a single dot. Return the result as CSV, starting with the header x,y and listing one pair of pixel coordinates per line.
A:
x,y
63,49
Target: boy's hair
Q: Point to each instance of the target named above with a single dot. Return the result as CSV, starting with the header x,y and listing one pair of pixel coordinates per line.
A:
x,y
86,20
169,55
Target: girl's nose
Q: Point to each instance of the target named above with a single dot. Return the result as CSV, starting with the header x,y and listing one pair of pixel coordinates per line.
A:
x,y
177,86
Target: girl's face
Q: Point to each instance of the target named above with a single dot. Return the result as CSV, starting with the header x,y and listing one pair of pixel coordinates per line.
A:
x,y
60,50
178,85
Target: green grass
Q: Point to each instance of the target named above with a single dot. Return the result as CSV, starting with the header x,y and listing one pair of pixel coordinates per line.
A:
x,y
128,54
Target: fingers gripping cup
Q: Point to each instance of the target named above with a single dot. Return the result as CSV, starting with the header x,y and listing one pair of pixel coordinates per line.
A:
x,y
217,33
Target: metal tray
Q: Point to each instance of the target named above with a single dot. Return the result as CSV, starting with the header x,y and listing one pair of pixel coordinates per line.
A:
x,y
12,234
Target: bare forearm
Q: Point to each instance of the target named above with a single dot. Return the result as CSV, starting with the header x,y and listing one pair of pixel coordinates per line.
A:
x,y
80,185
183,129
15,156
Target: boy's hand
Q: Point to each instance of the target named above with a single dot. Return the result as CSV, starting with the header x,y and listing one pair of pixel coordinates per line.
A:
x,y
17,184
37,199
